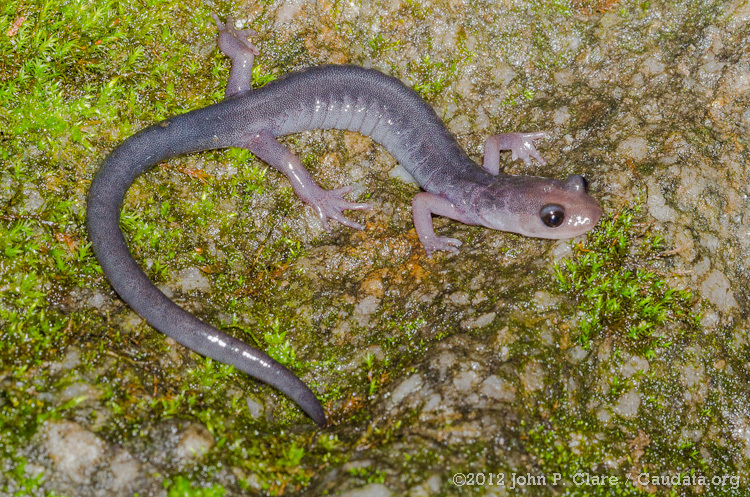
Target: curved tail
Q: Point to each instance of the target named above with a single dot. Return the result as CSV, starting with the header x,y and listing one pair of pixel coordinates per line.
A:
x,y
134,156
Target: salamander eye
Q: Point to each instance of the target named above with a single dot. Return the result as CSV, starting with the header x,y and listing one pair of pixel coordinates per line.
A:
x,y
552,215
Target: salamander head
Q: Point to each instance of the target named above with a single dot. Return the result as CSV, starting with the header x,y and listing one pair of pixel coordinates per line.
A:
x,y
539,207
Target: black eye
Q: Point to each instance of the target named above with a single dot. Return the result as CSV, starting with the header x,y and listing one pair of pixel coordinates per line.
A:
x,y
552,215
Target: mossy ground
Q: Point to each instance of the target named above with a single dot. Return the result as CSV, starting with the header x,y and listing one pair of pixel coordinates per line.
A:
x,y
79,77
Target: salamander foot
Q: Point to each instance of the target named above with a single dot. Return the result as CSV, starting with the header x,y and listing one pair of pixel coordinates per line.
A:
x,y
521,146
444,243
329,204
234,44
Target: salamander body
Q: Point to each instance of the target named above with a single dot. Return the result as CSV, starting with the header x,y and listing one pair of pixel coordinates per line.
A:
x,y
341,97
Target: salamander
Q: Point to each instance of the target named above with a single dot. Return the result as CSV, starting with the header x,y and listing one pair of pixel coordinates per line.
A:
x,y
342,97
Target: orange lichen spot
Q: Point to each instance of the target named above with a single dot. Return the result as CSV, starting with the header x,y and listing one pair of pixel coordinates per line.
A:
x,y
15,26
589,6
198,174
69,241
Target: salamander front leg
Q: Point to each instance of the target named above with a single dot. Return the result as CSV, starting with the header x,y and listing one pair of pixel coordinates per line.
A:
x,y
520,144
423,207
328,204
234,44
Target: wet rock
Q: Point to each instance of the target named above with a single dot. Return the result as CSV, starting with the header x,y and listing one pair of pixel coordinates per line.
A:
x,y
192,278
634,364
364,309
254,407
431,486
498,389
479,322
194,442
70,361
126,473
627,405
693,377
34,201
406,388
635,148
533,376
464,381
371,490
577,354
75,451
740,425
648,101
717,289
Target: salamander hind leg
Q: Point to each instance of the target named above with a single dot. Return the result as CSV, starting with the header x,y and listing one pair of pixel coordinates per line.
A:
x,y
234,44
328,204
521,146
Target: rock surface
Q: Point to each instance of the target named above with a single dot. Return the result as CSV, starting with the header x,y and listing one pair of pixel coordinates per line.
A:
x,y
470,363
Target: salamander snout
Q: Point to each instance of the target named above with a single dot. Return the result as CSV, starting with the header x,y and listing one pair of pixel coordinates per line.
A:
x,y
553,215
572,211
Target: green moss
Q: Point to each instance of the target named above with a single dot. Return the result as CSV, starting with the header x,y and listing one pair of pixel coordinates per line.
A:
x,y
431,77
182,487
516,97
368,475
380,45
577,447
617,292
416,9
23,483
553,7
278,346
77,78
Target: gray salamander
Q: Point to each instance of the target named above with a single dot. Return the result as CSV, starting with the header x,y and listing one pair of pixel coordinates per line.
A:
x,y
340,97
